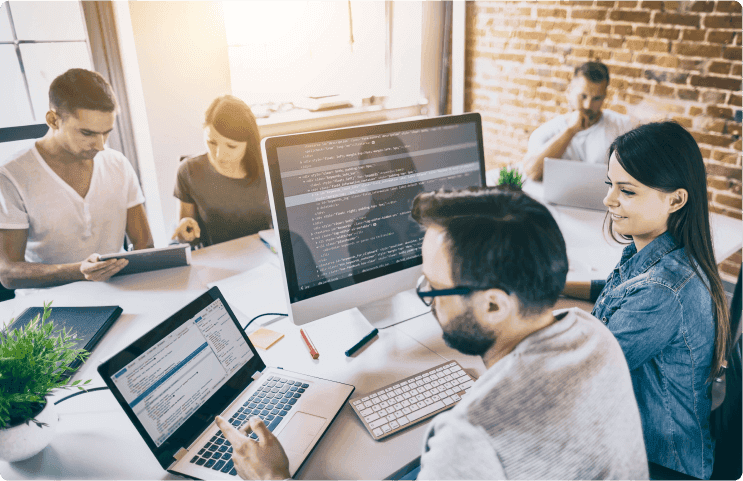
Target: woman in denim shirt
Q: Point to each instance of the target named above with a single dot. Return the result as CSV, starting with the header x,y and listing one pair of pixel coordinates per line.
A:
x,y
664,301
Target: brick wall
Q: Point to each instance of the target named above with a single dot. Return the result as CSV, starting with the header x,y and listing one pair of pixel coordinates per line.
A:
x,y
667,60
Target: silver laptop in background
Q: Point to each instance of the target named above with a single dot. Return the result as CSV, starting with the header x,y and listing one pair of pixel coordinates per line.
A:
x,y
574,184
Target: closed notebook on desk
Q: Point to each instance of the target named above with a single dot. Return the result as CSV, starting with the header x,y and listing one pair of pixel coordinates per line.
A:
x,y
86,324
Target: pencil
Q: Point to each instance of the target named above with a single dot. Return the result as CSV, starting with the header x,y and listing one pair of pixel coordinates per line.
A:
x,y
308,343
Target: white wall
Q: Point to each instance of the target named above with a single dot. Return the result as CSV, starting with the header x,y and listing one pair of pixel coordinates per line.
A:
x,y
181,49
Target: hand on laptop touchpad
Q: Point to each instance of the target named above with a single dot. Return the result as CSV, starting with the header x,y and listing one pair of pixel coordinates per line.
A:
x,y
298,434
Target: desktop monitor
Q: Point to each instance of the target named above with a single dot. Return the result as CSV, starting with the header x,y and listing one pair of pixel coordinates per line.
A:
x,y
341,202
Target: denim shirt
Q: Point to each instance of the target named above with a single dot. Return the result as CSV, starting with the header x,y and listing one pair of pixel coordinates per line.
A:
x,y
663,317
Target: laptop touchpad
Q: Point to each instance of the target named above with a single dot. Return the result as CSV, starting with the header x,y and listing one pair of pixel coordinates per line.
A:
x,y
298,434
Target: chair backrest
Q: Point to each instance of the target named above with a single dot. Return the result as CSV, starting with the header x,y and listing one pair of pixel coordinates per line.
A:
x,y
726,421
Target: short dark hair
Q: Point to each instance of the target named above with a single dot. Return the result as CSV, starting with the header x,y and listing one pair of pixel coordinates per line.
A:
x,y
78,88
595,72
500,237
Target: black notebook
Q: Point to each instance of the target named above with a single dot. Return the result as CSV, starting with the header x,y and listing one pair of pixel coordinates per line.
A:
x,y
87,324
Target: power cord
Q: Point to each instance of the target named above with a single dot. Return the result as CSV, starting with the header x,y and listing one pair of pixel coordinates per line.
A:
x,y
261,315
85,391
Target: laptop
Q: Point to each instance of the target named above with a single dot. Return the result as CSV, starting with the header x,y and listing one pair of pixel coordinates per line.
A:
x,y
574,184
199,363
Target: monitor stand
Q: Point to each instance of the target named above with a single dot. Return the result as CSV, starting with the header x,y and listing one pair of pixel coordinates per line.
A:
x,y
394,310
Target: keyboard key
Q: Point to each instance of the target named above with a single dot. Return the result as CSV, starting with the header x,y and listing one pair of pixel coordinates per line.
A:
x,y
402,420
288,394
297,396
467,384
202,451
391,417
425,410
293,388
394,425
376,408
219,465
209,463
305,385
222,449
300,390
201,462
219,441
213,447
274,423
274,401
383,404
275,411
194,459
382,412
371,418
214,438
386,428
252,405
261,406
377,423
265,412
292,401
233,472
367,411
253,436
377,432
283,413
428,401
236,423
227,456
357,402
227,443
455,398
406,410
230,464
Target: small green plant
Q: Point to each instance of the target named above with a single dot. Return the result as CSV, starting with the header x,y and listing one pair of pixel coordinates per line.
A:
x,y
34,361
509,176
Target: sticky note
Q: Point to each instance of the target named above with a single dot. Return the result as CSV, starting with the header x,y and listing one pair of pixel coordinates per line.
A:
x,y
264,338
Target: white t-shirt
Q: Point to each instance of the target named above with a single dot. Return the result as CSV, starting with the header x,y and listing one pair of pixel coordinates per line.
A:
x,y
590,145
62,226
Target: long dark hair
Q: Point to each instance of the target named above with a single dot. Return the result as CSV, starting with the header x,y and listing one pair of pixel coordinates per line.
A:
x,y
665,157
232,118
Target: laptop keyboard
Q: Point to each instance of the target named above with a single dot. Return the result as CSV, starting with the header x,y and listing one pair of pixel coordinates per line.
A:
x,y
270,402
405,403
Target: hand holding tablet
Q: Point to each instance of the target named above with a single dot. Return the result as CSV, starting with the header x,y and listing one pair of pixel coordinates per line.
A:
x,y
152,259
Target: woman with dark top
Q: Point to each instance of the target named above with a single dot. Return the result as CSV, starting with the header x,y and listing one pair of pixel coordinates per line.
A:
x,y
223,192
664,301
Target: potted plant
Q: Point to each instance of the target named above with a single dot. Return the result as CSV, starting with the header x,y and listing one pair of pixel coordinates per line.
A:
x,y
34,361
510,179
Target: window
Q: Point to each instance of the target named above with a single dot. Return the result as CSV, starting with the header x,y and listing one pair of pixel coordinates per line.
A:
x,y
304,53
38,41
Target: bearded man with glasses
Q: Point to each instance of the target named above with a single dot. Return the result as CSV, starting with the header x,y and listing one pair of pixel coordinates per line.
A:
x,y
556,401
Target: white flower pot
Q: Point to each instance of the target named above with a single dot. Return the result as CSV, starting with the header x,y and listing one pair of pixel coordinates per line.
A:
x,y
27,439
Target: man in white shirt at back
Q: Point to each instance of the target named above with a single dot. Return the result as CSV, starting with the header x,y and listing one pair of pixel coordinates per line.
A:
x,y
69,198
585,133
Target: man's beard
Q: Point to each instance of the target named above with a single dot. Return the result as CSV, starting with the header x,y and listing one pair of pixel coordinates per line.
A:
x,y
464,334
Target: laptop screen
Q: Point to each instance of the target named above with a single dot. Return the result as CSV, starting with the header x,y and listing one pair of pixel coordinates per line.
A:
x,y
176,378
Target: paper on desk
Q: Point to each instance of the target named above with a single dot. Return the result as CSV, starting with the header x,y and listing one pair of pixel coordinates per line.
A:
x,y
254,292
338,332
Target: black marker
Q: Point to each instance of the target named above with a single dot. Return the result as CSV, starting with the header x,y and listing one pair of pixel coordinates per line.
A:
x,y
361,343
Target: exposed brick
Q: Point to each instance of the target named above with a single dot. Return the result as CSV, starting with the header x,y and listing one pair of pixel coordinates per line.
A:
x,y
712,139
604,4
705,152
736,70
626,4
524,12
624,30
629,16
684,121
530,35
686,20
713,97
626,71
719,67
702,7
716,126
589,14
668,33
728,200
688,94
663,91
695,111
719,112
727,157
667,61
732,53
698,50
622,56
614,42
603,28
545,60
729,6
653,5
645,58
725,83
581,52
693,35
722,21
688,64
636,45
657,46
640,87
552,12
735,99
717,36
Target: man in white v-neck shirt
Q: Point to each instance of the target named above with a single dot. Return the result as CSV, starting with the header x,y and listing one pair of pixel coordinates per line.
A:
x,y
585,133
69,198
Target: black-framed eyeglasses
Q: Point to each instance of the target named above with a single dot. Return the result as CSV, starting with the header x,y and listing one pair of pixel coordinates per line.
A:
x,y
426,294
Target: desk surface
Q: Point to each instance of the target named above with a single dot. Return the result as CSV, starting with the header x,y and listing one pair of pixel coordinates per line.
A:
x,y
95,439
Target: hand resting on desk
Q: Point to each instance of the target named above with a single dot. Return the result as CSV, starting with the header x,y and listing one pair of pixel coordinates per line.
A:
x,y
261,459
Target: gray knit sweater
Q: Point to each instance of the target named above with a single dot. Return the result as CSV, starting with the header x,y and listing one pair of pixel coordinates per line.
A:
x,y
559,406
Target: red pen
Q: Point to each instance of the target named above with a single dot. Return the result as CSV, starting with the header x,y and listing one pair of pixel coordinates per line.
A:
x,y
308,343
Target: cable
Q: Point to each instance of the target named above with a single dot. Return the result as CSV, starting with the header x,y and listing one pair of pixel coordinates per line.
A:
x,y
81,392
261,315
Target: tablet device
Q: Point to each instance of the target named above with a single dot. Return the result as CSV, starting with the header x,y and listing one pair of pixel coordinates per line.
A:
x,y
574,184
152,259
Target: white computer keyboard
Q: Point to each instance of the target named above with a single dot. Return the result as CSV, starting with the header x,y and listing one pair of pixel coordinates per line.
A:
x,y
404,403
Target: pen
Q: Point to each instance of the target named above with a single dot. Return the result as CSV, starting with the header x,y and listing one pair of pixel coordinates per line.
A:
x,y
308,343
361,343
268,245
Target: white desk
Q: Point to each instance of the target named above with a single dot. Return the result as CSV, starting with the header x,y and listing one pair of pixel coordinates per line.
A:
x,y
96,440
593,254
